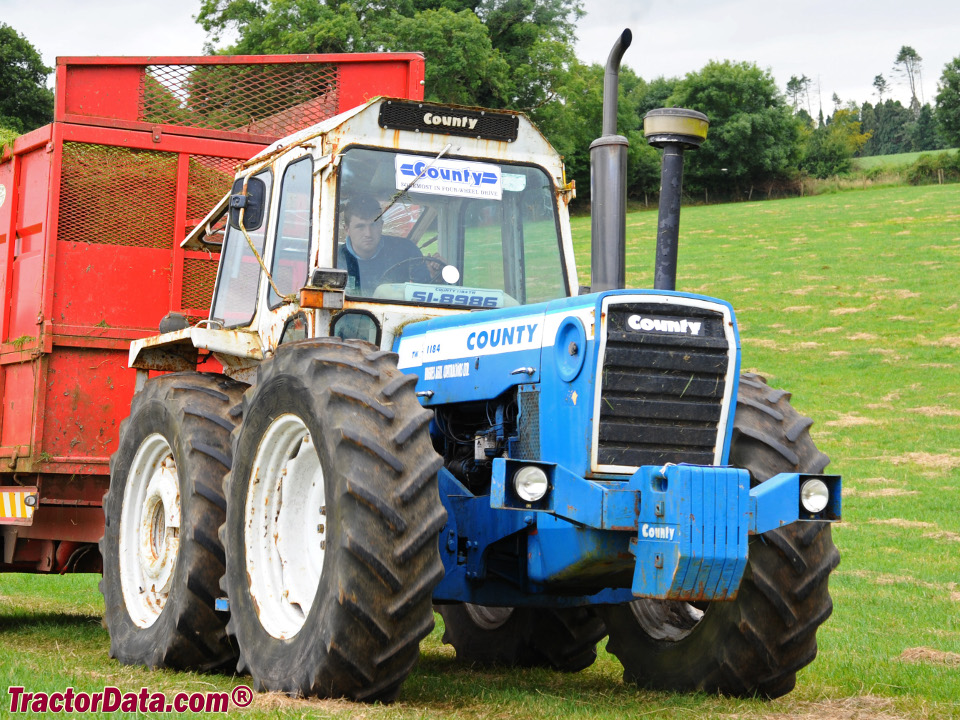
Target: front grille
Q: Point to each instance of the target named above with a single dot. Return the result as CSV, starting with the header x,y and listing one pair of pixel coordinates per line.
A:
x,y
662,387
528,424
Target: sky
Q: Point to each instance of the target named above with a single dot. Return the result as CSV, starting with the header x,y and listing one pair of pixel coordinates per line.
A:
x,y
840,44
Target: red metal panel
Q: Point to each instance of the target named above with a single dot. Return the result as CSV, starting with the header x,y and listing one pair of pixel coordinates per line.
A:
x,y
262,96
361,81
28,141
27,284
103,135
10,178
110,92
180,221
19,390
110,286
341,58
88,392
26,280
79,524
160,131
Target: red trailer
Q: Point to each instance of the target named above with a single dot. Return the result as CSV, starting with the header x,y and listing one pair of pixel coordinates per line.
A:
x,y
92,209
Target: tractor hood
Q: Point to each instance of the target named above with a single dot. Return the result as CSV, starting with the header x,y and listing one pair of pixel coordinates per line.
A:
x,y
607,368
480,355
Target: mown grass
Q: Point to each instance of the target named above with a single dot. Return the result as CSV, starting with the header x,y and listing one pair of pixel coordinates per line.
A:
x,y
899,160
851,302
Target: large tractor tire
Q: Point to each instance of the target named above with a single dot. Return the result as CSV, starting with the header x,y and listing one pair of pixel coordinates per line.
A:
x,y
755,644
562,639
333,519
162,559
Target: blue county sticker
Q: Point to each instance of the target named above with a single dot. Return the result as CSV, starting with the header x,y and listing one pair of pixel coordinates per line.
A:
x,y
449,177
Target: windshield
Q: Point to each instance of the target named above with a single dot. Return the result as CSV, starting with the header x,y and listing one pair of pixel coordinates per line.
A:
x,y
467,233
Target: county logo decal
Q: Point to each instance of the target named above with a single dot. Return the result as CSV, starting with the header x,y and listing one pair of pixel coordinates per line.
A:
x,y
439,176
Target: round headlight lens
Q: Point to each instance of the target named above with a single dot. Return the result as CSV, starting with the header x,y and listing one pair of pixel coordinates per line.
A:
x,y
814,496
530,483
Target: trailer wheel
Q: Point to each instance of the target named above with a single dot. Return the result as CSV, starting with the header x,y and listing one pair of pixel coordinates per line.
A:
x,y
755,644
162,560
333,519
563,639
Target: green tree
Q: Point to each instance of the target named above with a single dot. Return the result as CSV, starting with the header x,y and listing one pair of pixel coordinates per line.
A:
x,y
948,103
655,94
467,70
829,150
868,125
754,137
909,65
880,86
890,134
575,120
524,46
25,101
798,88
922,133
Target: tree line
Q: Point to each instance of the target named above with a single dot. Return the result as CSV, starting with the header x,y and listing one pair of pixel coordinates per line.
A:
x,y
519,54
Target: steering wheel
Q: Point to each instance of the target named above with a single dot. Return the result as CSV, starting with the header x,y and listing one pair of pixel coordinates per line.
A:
x,y
405,270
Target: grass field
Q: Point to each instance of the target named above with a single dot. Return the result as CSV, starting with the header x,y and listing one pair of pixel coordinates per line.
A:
x,y
851,302
893,162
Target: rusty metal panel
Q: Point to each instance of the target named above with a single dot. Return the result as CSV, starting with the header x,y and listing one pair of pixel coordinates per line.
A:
x,y
88,393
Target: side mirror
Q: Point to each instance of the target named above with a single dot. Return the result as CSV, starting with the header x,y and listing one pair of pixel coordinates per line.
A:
x,y
252,202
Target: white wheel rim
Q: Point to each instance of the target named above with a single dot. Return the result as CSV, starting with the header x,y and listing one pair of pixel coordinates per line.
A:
x,y
486,617
149,530
666,620
285,527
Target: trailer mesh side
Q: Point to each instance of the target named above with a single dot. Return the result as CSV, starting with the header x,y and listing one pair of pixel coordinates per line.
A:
x,y
261,99
199,276
117,196
209,180
662,385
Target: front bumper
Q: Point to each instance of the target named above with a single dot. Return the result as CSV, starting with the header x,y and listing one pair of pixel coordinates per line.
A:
x,y
685,528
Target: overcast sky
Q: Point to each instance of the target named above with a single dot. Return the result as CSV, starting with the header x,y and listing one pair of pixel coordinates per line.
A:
x,y
841,43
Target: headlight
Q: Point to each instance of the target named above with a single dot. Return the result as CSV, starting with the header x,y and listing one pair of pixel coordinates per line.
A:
x,y
530,483
814,496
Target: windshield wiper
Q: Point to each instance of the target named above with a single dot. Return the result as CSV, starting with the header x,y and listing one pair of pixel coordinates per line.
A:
x,y
397,196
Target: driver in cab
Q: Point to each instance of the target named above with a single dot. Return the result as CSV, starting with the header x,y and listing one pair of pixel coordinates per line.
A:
x,y
368,255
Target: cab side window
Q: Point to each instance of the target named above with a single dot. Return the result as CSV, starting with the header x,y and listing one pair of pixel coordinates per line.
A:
x,y
291,255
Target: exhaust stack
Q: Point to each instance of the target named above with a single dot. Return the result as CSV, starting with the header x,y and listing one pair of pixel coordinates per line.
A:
x,y
674,130
608,185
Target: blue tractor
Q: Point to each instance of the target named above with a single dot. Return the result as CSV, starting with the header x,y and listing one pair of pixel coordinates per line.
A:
x,y
416,407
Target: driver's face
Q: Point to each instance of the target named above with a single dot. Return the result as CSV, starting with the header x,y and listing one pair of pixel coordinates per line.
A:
x,y
364,235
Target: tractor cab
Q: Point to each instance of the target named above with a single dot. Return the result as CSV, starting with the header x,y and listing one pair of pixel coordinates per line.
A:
x,y
390,212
